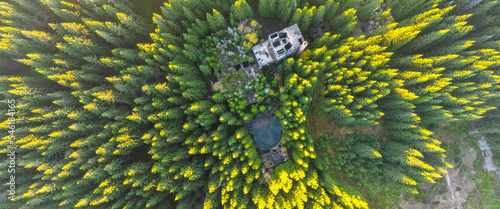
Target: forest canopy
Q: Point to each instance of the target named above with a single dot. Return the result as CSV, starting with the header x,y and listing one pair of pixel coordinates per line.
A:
x,y
115,107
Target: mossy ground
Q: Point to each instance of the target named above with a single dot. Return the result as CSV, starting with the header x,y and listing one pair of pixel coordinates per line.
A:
x,y
148,7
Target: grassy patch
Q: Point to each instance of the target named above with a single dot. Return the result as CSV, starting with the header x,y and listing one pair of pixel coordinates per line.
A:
x,y
451,135
148,7
486,195
378,194
319,124
381,195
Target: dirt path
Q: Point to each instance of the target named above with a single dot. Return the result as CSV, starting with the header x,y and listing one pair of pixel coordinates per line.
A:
x,y
449,183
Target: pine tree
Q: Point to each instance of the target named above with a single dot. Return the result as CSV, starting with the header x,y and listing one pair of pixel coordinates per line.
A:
x,y
366,11
306,18
206,70
285,9
318,16
191,52
241,11
403,9
296,16
330,10
216,21
343,24
267,8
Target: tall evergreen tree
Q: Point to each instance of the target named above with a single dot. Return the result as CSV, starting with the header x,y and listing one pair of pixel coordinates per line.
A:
x,y
216,21
267,8
241,11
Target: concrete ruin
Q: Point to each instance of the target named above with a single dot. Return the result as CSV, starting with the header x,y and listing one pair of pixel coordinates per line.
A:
x,y
279,45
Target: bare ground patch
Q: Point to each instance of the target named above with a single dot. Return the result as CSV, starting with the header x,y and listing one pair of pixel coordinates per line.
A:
x,y
453,190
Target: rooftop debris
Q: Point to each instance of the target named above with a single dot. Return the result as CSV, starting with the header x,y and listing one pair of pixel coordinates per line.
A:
x,y
279,45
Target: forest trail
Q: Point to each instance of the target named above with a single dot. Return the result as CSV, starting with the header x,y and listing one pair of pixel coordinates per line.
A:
x,y
449,183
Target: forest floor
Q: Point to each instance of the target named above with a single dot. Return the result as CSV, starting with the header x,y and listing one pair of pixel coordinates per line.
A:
x,y
268,25
147,8
466,185
453,190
